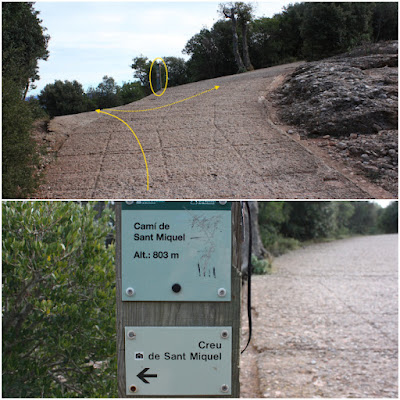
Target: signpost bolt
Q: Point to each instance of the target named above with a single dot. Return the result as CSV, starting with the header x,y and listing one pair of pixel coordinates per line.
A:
x,y
176,287
131,335
130,291
224,334
221,292
133,388
224,388
222,203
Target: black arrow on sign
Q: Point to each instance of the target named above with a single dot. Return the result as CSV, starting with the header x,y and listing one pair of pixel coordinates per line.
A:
x,y
142,375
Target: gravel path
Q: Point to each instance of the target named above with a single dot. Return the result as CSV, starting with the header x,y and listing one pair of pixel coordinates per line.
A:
x,y
326,323
221,144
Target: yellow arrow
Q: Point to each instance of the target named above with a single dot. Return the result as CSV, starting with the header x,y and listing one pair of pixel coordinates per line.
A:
x,y
166,105
134,134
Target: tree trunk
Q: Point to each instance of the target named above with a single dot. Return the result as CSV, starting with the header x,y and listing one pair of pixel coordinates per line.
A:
x,y
246,57
25,91
235,40
257,247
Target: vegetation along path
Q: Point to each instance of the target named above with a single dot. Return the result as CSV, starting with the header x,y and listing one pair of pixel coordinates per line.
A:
x,y
326,323
219,144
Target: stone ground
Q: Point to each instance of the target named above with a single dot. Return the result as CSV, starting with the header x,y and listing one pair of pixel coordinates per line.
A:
x,y
222,144
345,109
326,323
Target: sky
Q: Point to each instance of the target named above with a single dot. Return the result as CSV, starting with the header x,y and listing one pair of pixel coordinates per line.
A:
x,y
383,203
89,40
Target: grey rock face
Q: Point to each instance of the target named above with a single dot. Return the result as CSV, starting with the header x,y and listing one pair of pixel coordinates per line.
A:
x,y
344,94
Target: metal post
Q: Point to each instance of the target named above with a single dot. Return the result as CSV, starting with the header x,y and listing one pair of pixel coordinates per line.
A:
x,y
143,326
158,73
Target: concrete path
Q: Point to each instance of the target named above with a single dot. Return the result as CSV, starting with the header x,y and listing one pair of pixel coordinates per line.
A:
x,y
326,323
221,144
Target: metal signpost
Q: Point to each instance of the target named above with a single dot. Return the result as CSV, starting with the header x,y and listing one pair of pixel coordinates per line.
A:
x,y
158,75
178,298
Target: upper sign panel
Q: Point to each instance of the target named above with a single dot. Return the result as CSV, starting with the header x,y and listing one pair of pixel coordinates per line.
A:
x,y
176,251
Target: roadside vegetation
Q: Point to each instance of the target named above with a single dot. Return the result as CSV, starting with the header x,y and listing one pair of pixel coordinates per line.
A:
x,y
24,44
58,310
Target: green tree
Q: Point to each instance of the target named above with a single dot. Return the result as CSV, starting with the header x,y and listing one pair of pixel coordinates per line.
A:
x,y
19,157
309,220
330,28
106,95
63,98
365,217
343,211
265,42
385,21
388,218
177,71
141,65
290,38
24,43
271,216
210,53
131,91
58,301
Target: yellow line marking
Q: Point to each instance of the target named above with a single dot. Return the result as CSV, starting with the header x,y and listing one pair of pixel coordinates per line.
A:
x,y
134,134
166,105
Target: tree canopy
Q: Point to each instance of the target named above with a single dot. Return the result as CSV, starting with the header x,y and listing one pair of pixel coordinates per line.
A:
x,y
24,44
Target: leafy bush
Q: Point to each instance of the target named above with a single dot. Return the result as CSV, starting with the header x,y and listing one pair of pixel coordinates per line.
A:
x,y
260,267
282,245
63,98
37,111
58,301
19,178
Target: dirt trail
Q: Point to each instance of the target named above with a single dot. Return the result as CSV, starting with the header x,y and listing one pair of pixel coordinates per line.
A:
x,y
218,145
326,323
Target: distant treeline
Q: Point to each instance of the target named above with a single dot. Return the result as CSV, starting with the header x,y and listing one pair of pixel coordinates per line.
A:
x,y
284,224
301,31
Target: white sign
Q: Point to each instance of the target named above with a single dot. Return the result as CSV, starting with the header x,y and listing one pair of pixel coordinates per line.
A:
x,y
178,361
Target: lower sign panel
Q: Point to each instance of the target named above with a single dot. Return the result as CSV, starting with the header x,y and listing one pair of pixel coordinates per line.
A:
x,y
178,361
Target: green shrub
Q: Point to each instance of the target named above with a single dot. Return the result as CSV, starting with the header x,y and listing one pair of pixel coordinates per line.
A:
x,y
260,267
19,178
63,98
282,245
37,111
59,335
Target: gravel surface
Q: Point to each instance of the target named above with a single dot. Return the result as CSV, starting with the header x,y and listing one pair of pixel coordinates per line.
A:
x,y
326,323
221,144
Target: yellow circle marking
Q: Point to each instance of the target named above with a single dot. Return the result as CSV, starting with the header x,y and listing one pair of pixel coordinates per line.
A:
x,y
166,77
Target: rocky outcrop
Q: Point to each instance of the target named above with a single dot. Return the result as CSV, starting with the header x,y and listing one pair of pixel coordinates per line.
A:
x,y
352,99
342,95
375,155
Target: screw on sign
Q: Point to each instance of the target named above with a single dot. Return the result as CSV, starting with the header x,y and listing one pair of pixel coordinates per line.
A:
x,y
131,335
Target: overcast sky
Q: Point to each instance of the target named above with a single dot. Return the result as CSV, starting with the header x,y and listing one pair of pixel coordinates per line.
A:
x,y
93,39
